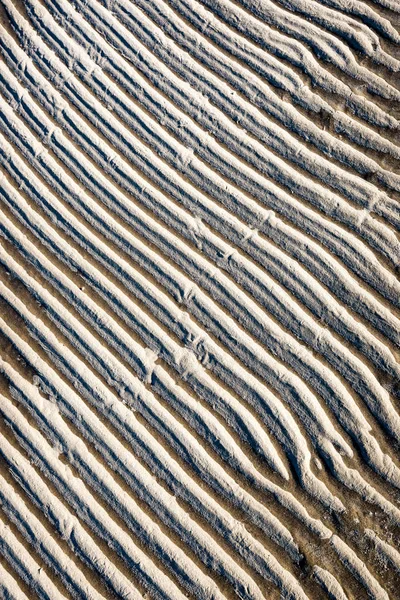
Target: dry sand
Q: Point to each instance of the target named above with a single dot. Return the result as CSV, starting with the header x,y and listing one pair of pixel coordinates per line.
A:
x,y
199,298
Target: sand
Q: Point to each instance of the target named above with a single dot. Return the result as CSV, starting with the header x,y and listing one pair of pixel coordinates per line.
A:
x,y
199,299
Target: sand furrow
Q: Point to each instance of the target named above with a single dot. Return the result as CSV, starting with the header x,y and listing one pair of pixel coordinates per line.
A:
x,y
354,253
112,164
258,361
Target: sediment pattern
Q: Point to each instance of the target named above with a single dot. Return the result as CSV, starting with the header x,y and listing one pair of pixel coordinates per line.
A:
x,y
200,302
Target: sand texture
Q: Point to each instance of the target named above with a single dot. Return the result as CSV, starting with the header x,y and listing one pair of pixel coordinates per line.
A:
x,y
199,299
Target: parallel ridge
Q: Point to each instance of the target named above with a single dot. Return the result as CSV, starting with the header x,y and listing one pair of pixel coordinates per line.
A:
x,y
200,302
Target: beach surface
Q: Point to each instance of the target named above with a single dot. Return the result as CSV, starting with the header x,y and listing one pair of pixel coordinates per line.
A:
x,y
199,299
